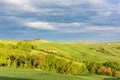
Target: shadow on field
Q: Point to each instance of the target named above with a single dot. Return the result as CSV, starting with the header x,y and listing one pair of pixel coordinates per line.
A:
x,y
111,78
9,78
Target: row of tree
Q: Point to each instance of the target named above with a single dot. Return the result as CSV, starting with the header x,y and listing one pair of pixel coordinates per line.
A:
x,y
107,68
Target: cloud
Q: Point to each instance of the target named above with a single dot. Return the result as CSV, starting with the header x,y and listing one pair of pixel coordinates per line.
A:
x,y
40,25
101,28
23,5
59,8
70,2
84,27
62,16
73,27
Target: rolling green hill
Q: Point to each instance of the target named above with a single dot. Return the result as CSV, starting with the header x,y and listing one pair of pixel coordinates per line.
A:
x,y
83,59
27,74
83,50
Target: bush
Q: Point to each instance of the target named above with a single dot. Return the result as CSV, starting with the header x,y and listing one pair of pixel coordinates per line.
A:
x,y
25,46
116,74
105,70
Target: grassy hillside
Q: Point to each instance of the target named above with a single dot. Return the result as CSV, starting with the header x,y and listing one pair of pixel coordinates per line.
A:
x,y
81,58
27,74
83,50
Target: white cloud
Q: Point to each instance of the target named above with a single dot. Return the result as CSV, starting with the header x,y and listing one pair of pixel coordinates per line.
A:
x,y
101,7
73,27
22,5
96,1
100,28
40,25
15,1
72,2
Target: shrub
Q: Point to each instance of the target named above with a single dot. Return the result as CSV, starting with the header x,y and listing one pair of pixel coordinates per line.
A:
x,y
105,70
116,74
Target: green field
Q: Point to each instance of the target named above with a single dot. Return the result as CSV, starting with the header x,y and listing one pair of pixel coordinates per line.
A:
x,y
27,74
91,51
57,60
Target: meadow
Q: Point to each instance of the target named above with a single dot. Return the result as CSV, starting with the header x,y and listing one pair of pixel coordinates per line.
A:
x,y
28,74
83,50
48,60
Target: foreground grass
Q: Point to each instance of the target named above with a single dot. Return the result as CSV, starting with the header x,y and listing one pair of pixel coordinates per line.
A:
x,y
26,74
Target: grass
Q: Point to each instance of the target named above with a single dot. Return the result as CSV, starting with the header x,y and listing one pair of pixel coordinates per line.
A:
x,y
9,41
28,74
83,51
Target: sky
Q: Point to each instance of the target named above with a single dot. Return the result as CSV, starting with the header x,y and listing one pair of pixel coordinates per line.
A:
x,y
60,20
